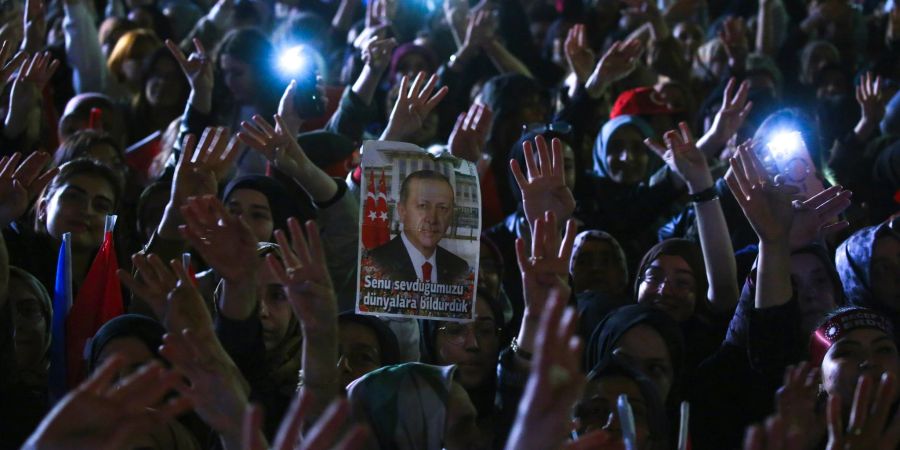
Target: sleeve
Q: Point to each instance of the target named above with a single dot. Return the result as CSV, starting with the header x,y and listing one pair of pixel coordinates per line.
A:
x,y
774,339
510,388
338,221
351,117
243,340
848,165
192,122
89,71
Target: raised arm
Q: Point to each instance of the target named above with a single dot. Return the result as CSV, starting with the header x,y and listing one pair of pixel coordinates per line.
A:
x,y
689,163
544,189
304,274
765,28
728,120
198,69
413,105
83,53
35,26
27,91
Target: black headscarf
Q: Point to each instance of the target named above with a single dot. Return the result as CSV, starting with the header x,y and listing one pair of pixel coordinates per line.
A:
x,y
142,328
280,203
387,340
613,327
325,148
692,254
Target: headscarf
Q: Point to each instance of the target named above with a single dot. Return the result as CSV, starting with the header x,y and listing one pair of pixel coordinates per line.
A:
x,y
854,265
601,145
608,333
10,373
411,49
283,361
325,148
691,253
429,328
41,293
657,422
280,203
504,95
142,328
387,340
840,324
406,404
602,236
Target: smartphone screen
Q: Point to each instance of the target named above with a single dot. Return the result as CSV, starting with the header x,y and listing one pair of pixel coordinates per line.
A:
x,y
786,155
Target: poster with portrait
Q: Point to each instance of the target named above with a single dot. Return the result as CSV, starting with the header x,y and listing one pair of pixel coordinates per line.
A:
x,y
420,226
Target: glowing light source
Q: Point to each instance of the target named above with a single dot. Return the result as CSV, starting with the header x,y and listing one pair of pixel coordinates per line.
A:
x,y
293,60
785,143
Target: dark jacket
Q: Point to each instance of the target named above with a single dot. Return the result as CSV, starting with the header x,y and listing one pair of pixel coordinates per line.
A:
x,y
394,262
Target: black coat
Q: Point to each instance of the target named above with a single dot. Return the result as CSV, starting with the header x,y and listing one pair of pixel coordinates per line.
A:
x,y
394,262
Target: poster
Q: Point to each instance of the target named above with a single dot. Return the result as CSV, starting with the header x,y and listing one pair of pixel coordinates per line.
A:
x,y
420,225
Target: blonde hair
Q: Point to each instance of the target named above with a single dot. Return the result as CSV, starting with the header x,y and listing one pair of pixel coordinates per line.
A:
x,y
135,44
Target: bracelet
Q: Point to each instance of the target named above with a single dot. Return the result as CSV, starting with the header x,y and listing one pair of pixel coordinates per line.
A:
x,y
521,353
705,195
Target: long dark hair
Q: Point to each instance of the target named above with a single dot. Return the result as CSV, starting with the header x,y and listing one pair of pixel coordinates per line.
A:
x,y
250,46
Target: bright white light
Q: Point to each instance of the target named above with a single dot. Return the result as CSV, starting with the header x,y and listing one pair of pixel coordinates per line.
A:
x,y
785,143
292,60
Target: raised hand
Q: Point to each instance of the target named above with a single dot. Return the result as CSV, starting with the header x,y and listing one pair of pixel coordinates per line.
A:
x,y
414,103
555,382
103,414
154,283
871,425
288,112
733,35
20,183
197,67
199,169
480,28
617,63
766,204
684,158
871,98
579,54
276,144
545,187
35,25
10,61
817,217
186,307
796,402
324,434
304,274
548,266
734,111
376,52
774,435
469,135
224,240
38,70
217,389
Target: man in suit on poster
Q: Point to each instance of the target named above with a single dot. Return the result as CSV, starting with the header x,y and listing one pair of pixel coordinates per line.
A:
x,y
425,208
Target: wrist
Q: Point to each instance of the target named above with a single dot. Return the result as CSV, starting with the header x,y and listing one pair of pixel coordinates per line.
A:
x,y
700,184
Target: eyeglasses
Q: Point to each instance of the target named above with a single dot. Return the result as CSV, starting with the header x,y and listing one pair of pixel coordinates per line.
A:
x,y
541,128
359,360
457,333
679,283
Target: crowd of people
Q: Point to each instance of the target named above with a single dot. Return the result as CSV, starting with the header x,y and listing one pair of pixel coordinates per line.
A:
x,y
688,214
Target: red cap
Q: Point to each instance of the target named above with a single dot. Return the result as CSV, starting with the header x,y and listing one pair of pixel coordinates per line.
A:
x,y
640,101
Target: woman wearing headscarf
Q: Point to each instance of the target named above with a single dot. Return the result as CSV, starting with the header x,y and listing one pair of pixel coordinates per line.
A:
x,y
599,278
619,193
25,320
597,409
473,348
415,406
137,339
867,263
365,344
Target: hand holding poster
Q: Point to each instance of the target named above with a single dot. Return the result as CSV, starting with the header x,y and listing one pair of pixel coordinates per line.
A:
x,y
420,223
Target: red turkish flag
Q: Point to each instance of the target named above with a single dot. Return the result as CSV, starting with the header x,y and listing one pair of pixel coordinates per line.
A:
x,y
381,208
370,233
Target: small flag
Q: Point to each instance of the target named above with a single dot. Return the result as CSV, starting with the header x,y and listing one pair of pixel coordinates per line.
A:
x,y
95,122
370,232
384,220
99,299
62,301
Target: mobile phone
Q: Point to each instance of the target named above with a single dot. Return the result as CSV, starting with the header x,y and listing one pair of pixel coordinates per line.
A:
x,y
787,155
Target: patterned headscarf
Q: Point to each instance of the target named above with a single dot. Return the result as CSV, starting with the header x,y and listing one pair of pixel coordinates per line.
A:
x,y
406,404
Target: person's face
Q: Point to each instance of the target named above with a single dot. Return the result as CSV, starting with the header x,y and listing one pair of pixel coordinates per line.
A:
x,y
239,79
426,214
360,352
865,351
626,156
473,346
597,410
131,70
29,324
410,65
131,349
274,308
164,87
80,207
644,348
885,266
598,268
253,207
460,429
669,284
689,38
815,290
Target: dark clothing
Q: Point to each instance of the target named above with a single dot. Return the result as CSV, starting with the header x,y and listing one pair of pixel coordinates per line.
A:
x,y
394,262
